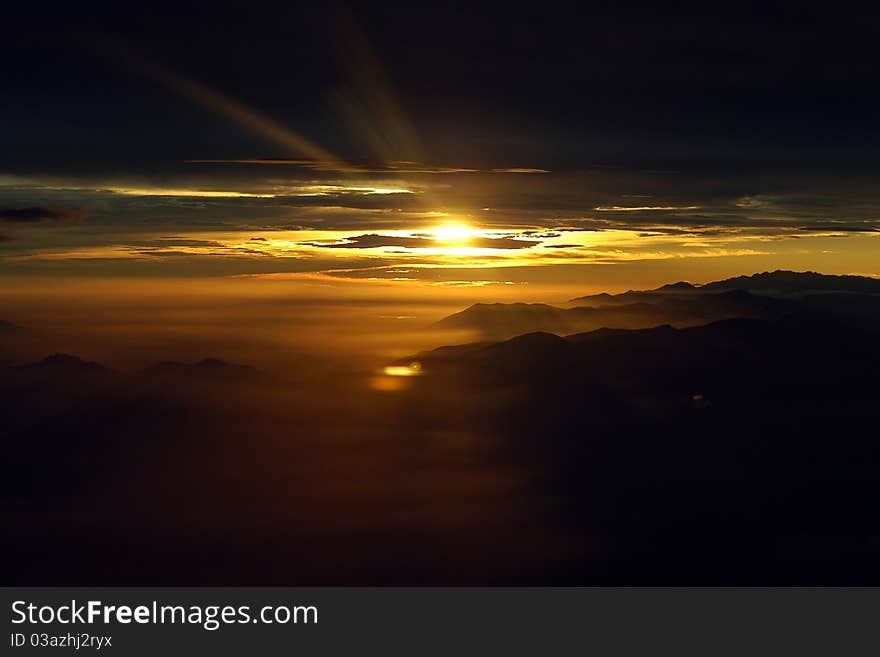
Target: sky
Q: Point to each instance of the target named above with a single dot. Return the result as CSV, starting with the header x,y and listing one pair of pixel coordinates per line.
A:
x,y
467,152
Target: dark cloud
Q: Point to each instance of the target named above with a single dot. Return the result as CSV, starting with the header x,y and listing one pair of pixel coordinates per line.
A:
x,y
163,243
865,227
373,240
35,214
386,167
179,241
723,221
5,237
539,234
355,200
163,254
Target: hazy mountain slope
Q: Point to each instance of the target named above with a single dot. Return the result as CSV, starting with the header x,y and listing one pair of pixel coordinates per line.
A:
x,y
498,321
508,318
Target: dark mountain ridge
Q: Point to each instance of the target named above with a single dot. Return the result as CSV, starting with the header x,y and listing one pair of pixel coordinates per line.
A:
x,y
208,368
45,390
797,283
770,295
65,363
779,282
606,352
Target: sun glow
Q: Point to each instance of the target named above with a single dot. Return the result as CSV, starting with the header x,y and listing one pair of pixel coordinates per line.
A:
x,y
455,233
413,369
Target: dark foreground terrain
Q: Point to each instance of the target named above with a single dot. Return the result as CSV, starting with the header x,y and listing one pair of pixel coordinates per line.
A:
x,y
739,451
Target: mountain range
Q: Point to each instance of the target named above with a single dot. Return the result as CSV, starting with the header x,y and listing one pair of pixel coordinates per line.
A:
x,y
769,295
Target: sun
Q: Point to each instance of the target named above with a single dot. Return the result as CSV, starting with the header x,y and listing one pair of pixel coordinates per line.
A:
x,y
457,233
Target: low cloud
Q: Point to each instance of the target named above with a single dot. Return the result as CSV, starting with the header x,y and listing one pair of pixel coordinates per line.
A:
x,y
866,227
37,214
374,240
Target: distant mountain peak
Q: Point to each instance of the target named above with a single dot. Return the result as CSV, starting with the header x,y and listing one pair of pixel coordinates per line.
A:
x,y
782,281
681,285
486,316
515,304
66,364
779,281
63,359
764,295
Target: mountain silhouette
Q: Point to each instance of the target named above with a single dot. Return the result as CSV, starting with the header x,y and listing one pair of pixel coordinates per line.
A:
x,y
794,349
208,368
762,296
498,321
797,283
66,386
681,286
65,363
69,375
779,282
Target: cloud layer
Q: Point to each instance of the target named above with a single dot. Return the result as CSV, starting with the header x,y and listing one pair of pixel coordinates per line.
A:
x,y
36,214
